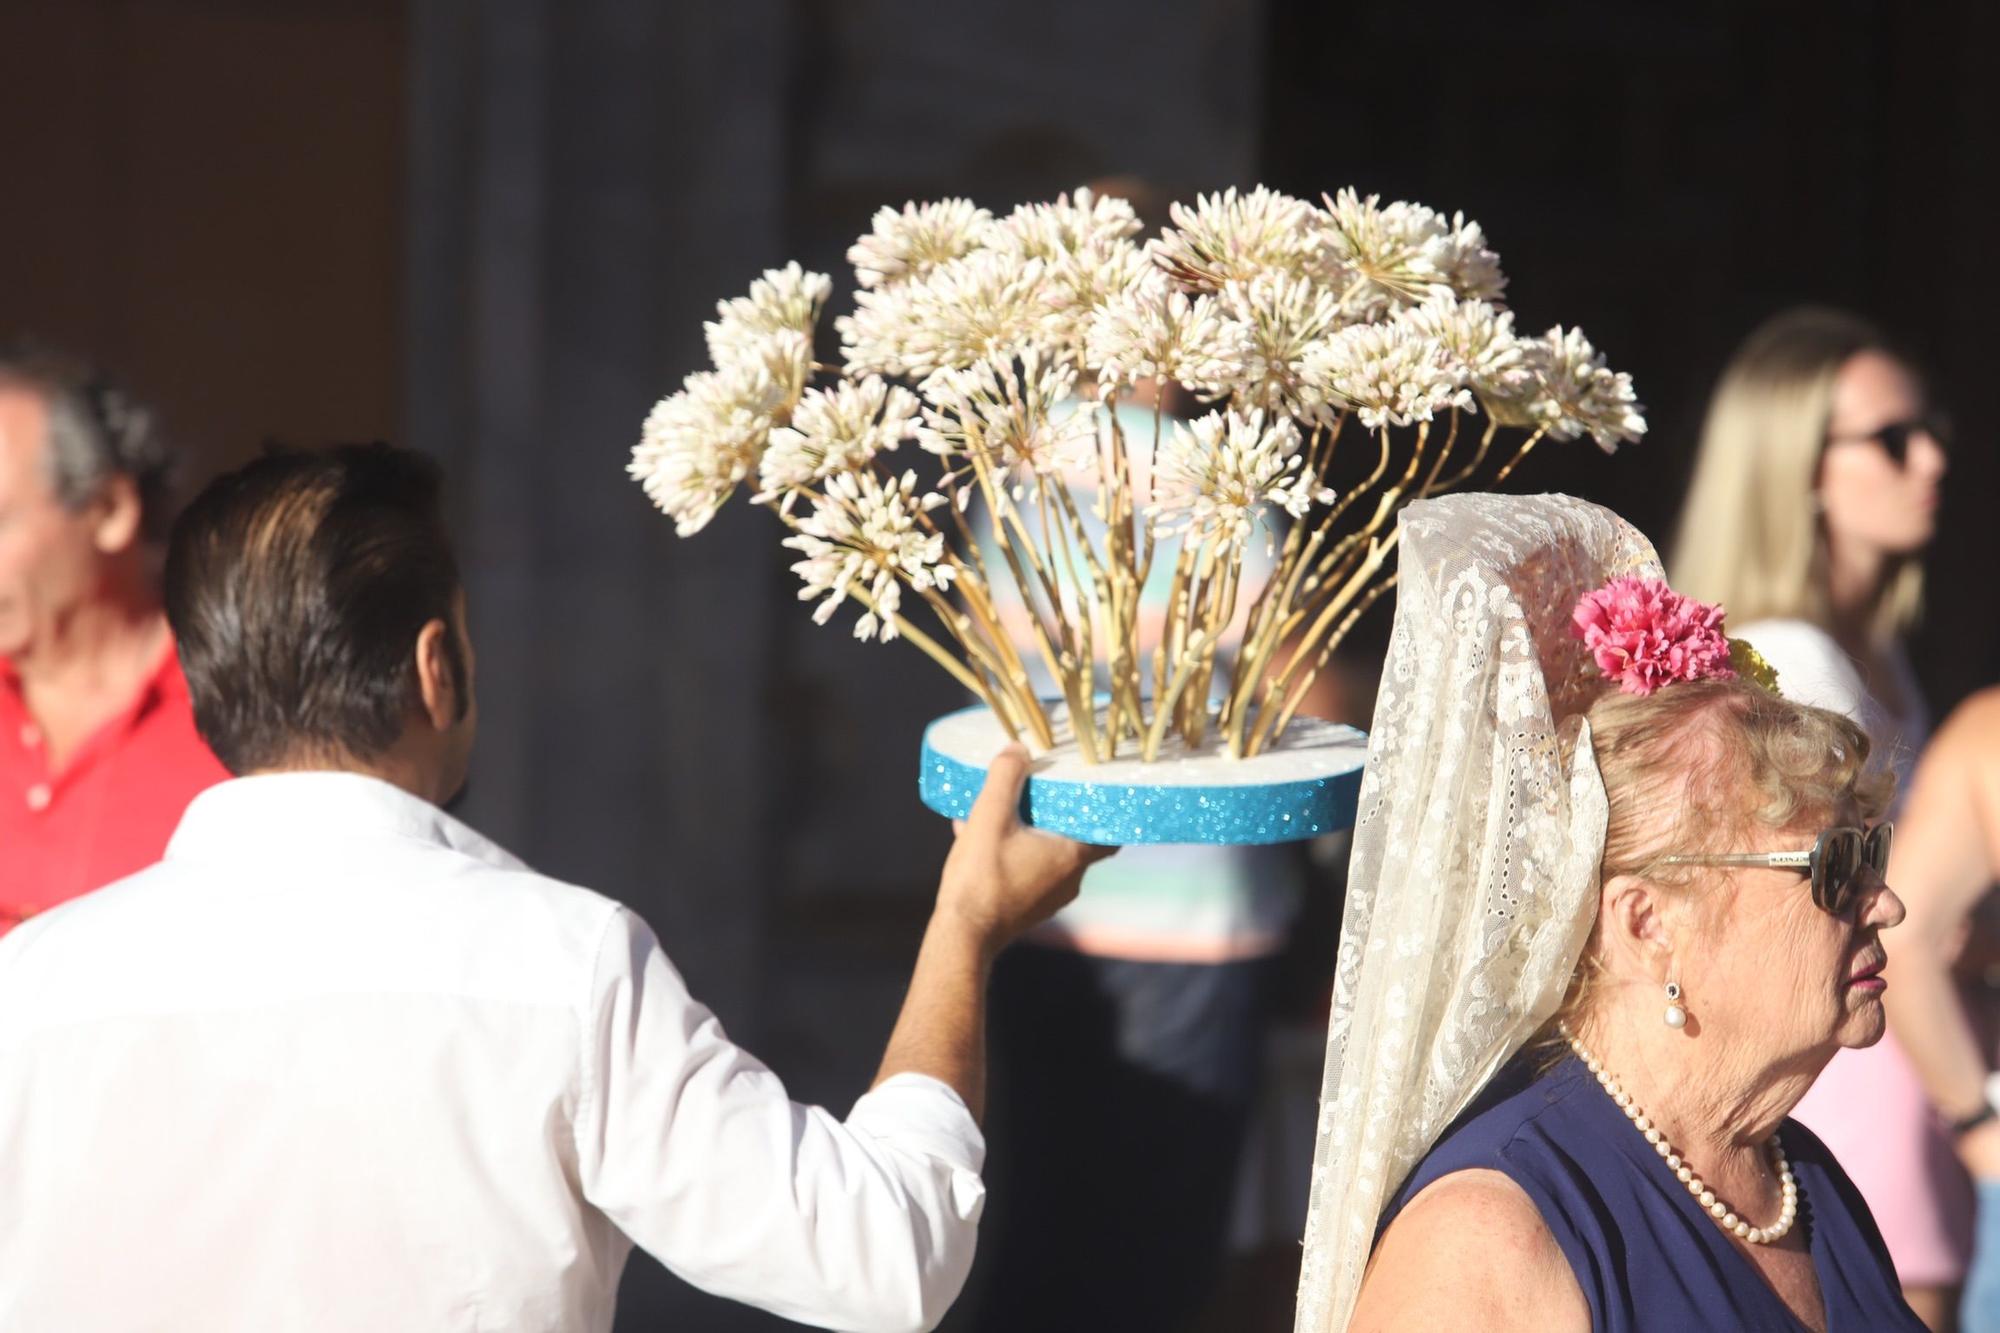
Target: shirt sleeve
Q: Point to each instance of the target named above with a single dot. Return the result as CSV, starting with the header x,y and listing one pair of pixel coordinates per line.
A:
x,y
1811,667
693,1148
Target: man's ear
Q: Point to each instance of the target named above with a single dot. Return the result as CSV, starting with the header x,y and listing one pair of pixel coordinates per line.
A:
x,y
436,681
1633,921
120,515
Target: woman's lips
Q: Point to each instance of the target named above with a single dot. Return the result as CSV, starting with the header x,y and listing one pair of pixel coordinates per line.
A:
x,y
1868,976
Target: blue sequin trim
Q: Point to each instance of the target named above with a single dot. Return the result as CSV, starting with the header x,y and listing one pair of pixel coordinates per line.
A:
x,y
1115,814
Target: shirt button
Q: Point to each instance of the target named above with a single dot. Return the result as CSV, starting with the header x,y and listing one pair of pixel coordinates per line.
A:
x,y
31,735
38,796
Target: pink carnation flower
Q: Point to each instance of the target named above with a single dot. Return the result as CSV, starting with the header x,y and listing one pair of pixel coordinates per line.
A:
x,y
1644,635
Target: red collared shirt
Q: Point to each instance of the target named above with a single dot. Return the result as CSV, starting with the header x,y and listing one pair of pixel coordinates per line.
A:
x,y
110,809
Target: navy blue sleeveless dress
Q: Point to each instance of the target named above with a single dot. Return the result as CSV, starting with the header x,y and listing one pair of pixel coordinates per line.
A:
x,y
1648,1258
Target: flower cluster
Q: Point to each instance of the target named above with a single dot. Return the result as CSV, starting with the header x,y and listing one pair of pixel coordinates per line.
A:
x,y
1216,479
835,431
866,536
1644,635
1011,347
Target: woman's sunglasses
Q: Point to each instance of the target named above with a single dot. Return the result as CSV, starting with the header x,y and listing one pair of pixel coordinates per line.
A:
x,y
1835,862
1895,437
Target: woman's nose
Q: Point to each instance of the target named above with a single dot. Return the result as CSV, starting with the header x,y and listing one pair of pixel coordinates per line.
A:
x,y
1882,909
1927,457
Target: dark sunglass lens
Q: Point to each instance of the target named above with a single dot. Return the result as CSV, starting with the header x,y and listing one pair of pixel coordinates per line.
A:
x,y
1939,427
1895,441
1833,877
1877,849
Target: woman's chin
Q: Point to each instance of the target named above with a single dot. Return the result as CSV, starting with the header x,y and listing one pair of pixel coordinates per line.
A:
x,y
1866,1021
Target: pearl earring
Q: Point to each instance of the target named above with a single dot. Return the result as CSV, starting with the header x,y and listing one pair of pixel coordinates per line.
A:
x,y
1675,1015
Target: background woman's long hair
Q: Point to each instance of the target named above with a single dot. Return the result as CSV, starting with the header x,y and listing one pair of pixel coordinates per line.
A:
x,y
1751,534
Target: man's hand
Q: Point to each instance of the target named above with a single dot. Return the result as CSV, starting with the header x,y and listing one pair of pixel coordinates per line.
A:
x,y
999,880
1002,879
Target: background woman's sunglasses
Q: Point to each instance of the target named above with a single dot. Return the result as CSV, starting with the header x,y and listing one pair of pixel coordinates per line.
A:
x,y
1835,862
1895,437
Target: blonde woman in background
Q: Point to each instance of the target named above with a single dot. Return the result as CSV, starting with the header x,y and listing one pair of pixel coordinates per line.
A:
x,y
1814,494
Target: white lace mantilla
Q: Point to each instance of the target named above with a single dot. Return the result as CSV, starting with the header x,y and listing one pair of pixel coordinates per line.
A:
x,y
1473,882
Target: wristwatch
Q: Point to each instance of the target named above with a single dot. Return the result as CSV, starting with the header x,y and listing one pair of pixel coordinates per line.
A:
x,y
1990,1111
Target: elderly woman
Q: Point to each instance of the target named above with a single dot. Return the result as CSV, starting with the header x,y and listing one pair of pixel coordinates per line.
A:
x,y
1644,889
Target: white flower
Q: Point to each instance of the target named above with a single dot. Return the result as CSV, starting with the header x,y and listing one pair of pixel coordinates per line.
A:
x,y
1229,237
1479,345
1388,374
985,304
1278,321
909,244
1576,392
1402,254
1082,284
1019,415
865,534
835,430
776,368
699,444
1071,225
785,299
1384,257
1217,478
1087,254
1156,331
1462,259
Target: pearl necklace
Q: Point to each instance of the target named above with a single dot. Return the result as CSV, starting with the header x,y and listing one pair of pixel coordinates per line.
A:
x,y
1788,1209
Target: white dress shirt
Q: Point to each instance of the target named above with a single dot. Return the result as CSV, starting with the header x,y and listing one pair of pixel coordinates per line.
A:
x,y
339,1062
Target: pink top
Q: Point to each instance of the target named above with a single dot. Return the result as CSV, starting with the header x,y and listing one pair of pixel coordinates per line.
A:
x,y
1869,1106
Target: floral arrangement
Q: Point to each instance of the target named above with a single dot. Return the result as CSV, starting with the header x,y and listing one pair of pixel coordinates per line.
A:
x,y
999,346
1642,635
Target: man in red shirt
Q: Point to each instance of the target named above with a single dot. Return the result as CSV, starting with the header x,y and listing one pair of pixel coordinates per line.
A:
x,y
98,751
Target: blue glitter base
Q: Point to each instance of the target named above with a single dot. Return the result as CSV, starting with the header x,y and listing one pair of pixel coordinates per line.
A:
x,y
1118,814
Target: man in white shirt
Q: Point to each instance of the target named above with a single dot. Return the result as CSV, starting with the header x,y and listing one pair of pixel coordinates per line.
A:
x,y
339,1062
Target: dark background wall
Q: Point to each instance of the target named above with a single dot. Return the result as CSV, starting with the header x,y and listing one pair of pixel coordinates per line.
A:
x,y
207,195
492,229
1666,175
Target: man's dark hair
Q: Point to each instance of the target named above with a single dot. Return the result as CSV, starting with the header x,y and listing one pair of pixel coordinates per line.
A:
x,y
296,587
96,430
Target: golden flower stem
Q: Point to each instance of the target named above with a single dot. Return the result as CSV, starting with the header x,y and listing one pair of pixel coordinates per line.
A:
x,y
1478,457
1378,551
1010,668
1033,714
1013,559
1164,651
930,647
1264,640
974,586
1211,589
1272,594
1106,584
1333,640
1080,686
1164,708
1526,446
983,655
1450,440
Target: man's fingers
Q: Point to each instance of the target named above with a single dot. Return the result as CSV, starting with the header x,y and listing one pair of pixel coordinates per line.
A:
x,y
994,809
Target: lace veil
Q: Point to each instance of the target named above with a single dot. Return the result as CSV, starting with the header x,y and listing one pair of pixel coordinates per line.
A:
x,y
1473,881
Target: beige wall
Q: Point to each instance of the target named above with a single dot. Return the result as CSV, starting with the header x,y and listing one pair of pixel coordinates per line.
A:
x,y
205,196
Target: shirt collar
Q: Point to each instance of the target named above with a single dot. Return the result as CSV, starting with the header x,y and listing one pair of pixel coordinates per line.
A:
x,y
165,681
313,807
